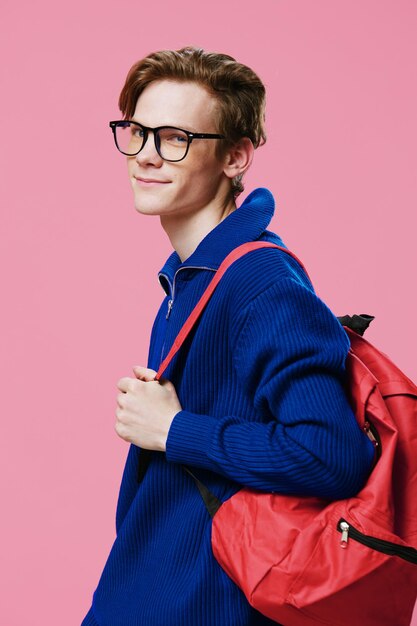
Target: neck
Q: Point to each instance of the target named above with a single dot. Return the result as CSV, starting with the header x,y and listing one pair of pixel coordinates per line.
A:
x,y
186,231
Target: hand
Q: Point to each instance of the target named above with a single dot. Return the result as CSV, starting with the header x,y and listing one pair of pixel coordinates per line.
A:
x,y
146,408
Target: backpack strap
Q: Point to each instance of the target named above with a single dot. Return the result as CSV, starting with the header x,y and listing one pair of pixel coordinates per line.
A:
x,y
358,323
236,253
211,502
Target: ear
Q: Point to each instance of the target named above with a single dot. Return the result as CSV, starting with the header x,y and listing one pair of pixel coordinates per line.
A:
x,y
238,158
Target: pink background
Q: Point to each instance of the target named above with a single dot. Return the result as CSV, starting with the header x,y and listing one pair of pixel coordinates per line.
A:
x,y
79,264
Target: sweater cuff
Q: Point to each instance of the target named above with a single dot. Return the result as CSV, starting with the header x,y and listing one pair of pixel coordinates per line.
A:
x,y
189,439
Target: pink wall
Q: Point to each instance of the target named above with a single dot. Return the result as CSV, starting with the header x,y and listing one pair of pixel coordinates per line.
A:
x,y
80,264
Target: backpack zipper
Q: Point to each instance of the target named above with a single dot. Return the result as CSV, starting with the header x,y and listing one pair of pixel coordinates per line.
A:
x,y
372,433
387,547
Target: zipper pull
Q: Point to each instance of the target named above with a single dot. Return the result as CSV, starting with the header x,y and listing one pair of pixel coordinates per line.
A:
x,y
169,308
344,527
369,433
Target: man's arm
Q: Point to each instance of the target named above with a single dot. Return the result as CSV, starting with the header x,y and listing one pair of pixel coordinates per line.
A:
x,y
289,353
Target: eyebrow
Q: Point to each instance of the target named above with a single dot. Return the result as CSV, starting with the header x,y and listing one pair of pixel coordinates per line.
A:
x,y
185,126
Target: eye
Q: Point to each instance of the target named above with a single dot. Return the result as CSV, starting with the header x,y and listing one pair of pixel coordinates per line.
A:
x,y
173,137
136,132
177,138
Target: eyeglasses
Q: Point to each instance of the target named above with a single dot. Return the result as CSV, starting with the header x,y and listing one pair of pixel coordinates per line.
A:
x,y
172,144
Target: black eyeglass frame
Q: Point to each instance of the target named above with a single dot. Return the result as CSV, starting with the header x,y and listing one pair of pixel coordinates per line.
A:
x,y
190,135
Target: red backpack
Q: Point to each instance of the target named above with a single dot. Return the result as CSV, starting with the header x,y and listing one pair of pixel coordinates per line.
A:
x,y
305,561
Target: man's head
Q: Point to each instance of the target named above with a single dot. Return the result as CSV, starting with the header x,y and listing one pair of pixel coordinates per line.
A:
x,y
203,92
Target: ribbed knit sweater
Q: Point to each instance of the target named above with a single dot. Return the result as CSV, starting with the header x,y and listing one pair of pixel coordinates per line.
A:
x,y
261,382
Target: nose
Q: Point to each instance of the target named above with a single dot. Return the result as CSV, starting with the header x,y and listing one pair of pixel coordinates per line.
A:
x,y
149,155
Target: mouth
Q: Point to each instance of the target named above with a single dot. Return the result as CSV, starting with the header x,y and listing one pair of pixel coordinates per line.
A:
x,y
150,182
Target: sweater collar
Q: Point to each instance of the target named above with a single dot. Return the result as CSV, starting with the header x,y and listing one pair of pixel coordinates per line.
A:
x,y
246,223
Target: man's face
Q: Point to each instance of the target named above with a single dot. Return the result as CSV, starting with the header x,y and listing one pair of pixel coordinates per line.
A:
x,y
185,186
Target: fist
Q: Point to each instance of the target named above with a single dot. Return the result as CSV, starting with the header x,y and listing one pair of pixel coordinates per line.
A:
x,y
145,409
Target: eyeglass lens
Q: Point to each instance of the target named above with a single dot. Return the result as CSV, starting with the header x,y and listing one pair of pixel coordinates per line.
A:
x,y
171,142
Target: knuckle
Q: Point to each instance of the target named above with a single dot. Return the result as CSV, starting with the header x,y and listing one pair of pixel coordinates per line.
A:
x,y
120,429
120,383
133,384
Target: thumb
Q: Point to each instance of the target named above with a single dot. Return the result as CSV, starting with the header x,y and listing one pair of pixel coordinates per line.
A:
x,y
144,373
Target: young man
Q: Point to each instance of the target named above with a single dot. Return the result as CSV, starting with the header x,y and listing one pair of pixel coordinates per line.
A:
x,y
255,395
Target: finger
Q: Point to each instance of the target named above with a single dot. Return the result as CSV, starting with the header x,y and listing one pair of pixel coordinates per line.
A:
x,y
144,373
121,400
125,383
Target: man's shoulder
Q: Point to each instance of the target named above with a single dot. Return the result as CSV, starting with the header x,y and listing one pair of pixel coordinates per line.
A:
x,y
259,269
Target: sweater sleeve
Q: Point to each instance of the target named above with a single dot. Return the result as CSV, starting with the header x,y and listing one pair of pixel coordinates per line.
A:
x,y
289,354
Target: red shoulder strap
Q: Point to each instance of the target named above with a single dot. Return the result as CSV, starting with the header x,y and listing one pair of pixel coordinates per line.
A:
x,y
235,254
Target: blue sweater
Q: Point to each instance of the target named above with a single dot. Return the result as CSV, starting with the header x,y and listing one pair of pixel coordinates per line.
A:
x,y
260,379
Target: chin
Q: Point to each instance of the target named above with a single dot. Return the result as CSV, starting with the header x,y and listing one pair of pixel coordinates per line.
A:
x,y
147,206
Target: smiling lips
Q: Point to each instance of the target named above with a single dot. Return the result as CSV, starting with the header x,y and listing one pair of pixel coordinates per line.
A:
x,y
150,181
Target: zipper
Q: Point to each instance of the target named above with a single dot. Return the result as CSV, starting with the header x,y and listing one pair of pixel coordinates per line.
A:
x,y
169,308
172,287
387,547
344,527
372,434
195,267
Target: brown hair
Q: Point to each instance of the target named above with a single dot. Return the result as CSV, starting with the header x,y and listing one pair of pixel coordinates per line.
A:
x,y
239,92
